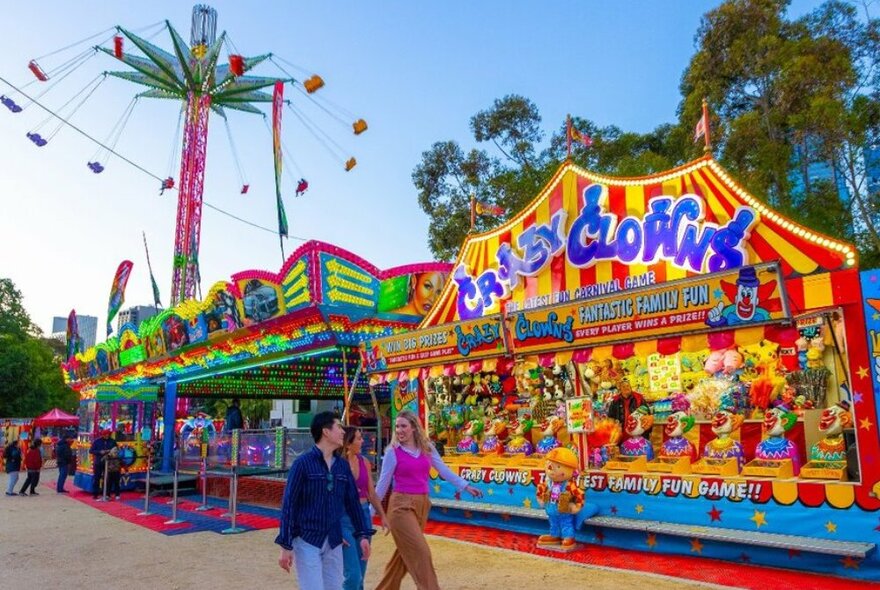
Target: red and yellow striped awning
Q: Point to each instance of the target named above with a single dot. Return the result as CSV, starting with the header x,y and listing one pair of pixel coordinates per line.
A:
x,y
800,251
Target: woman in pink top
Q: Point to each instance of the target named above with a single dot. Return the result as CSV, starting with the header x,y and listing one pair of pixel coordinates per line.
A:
x,y
407,463
355,566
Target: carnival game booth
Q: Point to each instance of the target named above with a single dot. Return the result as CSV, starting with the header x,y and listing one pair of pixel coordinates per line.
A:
x,y
287,335
738,334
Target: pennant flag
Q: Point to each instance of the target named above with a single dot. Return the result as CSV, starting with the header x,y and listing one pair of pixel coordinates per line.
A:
x,y
277,104
117,292
581,138
489,209
72,334
702,128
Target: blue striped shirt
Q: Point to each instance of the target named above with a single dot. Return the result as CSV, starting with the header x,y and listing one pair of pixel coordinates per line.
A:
x,y
314,501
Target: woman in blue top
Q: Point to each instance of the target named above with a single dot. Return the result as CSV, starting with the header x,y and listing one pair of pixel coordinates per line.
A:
x,y
354,563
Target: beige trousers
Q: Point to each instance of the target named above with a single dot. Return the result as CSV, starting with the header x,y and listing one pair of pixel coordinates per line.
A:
x,y
407,515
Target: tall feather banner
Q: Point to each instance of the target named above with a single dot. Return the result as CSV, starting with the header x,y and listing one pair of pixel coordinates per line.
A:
x,y
277,104
117,292
72,334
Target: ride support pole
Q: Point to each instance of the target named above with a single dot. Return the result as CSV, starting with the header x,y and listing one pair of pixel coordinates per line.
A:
x,y
204,477
174,519
146,511
106,470
233,504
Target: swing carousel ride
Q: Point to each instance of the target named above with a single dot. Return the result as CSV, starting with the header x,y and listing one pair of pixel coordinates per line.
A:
x,y
195,76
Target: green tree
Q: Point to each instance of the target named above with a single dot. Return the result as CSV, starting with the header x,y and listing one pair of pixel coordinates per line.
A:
x,y
31,381
515,170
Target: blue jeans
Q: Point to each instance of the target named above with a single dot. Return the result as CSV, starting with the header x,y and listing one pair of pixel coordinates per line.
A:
x,y
13,480
317,569
561,523
62,477
355,567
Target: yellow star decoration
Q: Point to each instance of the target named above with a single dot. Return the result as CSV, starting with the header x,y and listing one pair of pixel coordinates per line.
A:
x,y
876,316
490,491
436,489
652,540
865,423
759,518
639,508
830,527
527,503
696,546
863,372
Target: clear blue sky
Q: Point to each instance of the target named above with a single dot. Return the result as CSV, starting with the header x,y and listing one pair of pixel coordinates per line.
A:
x,y
415,71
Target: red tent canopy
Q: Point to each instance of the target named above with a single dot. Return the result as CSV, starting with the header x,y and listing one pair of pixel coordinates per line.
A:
x,y
56,417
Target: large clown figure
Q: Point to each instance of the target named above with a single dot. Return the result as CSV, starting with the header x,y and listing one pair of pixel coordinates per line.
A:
x,y
561,498
636,425
776,447
831,424
725,423
676,444
746,295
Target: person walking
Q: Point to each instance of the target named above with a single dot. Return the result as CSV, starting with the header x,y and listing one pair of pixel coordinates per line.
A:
x,y
319,489
354,564
64,457
99,449
407,462
234,419
12,458
114,472
33,462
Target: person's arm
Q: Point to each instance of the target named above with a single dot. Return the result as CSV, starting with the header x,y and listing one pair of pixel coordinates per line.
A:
x,y
374,499
362,528
447,474
290,518
389,464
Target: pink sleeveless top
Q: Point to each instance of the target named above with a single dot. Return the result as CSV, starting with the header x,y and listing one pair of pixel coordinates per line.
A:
x,y
361,481
411,473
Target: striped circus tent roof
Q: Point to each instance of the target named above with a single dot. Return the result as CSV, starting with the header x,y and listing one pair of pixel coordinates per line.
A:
x,y
709,188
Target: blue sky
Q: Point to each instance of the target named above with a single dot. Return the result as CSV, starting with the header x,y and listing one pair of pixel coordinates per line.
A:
x,y
415,71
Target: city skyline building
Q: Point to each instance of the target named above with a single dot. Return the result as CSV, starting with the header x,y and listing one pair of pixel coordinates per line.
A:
x,y
87,325
135,315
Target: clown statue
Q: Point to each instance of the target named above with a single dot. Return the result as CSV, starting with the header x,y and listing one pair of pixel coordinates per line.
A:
x,y
470,443
550,429
676,444
561,498
746,296
724,423
833,421
519,443
776,447
636,424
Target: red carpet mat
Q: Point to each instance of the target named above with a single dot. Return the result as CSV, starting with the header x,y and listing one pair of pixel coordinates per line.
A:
x,y
676,566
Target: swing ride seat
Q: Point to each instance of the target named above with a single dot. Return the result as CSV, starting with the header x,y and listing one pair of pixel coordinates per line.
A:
x,y
858,549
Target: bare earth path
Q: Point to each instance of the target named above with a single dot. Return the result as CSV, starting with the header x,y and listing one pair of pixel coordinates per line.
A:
x,y
53,541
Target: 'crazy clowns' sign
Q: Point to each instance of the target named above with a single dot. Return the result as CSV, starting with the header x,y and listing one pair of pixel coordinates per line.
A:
x,y
673,229
750,295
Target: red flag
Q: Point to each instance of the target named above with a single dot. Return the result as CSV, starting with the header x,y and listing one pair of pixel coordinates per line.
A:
x,y
581,138
488,209
700,129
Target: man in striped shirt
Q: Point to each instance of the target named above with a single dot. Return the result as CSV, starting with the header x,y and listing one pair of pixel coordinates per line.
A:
x,y
319,488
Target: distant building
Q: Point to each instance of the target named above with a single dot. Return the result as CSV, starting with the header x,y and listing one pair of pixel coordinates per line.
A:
x,y
872,169
806,159
135,315
86,324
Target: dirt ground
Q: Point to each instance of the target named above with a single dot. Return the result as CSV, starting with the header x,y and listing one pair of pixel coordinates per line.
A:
x,y
53,541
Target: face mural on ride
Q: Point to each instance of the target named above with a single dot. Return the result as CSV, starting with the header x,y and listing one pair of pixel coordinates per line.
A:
x,y
678,301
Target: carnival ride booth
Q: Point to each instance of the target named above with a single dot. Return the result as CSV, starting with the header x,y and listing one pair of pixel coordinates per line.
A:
x,y
290,335
704,358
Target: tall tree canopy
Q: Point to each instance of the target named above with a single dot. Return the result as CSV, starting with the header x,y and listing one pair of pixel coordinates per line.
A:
x,y
30,376
787,97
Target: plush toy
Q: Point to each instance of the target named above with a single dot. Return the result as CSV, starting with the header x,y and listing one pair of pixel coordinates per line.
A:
x,y
469,443
731,362
815,353
831,424
636,425
550,429
496,435
724,423
521,431
676,445
776,447
561,498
